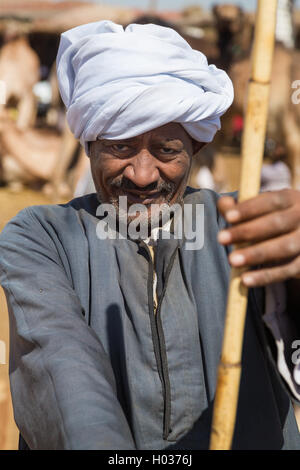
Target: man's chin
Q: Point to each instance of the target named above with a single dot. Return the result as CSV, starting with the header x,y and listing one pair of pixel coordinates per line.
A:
x,y
150,215
147,214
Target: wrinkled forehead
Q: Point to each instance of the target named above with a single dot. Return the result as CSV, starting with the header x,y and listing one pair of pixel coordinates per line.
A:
x,y
168,132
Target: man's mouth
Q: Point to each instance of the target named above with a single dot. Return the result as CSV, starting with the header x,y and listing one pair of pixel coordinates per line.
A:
x,y
141,197
155,193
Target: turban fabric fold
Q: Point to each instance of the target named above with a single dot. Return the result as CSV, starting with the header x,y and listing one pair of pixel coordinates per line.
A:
x,y
118,83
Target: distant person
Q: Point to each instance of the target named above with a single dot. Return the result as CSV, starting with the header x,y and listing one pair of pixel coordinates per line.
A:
x,y
275,175
206,160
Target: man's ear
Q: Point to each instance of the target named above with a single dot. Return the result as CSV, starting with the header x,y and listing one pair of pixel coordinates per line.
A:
x,y
197,146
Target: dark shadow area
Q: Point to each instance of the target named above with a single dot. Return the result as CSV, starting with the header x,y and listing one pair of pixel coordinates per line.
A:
x,y
117,353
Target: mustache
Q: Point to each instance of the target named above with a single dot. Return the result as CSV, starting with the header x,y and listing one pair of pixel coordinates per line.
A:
x,y
165,187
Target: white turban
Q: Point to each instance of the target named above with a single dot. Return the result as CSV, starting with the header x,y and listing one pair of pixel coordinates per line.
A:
x,y
120,83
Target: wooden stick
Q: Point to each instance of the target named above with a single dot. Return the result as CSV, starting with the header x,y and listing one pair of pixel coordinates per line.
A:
x,y
229,371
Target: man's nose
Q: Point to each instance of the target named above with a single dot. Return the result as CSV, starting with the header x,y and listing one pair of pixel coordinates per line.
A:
x,y
142,169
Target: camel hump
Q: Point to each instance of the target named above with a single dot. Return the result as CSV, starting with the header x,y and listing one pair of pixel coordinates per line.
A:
x,y
19,50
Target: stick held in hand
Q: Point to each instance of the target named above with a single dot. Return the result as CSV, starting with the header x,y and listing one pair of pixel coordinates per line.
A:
x,y
229,371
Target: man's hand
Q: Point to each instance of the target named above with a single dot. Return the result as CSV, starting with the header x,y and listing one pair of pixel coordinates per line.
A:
x,y
270,224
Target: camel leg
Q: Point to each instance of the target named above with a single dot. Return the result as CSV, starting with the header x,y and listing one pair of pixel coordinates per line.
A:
x,y
84,184
58,185
27,112
81,167
14,175
67,150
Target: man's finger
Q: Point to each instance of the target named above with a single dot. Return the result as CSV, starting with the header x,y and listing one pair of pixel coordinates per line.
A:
x,y
263,277
259,205
274,250
226,203
262,228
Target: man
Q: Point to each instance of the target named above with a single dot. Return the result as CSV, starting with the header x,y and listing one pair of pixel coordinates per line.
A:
x,y
116,338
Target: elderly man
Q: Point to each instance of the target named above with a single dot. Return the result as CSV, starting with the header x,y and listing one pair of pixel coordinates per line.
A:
x,y
115,339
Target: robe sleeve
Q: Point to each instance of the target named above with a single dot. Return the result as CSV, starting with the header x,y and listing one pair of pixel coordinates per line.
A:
x,y
62,383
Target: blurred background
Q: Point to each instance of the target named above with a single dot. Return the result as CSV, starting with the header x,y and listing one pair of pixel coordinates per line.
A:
x,y
41,162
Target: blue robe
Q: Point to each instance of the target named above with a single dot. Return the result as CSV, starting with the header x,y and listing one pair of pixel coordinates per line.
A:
x,y
92,366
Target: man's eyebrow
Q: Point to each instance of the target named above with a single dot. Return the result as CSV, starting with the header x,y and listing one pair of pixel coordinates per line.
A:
x,y
167,140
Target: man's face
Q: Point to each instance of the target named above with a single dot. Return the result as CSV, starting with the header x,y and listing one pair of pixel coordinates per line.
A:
x,y
152,168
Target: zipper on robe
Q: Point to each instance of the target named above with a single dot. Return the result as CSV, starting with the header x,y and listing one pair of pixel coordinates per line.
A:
x,y
155,302
159,340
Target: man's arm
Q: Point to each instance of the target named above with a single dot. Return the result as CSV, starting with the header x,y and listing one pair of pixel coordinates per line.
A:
x,y
267,228
62,382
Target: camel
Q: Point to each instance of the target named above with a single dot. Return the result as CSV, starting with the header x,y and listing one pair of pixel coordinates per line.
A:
x,y
61,182
64,176
20,71
34,156
31,155
26,155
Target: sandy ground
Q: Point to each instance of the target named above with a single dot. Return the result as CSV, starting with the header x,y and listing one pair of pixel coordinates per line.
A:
x,y
227,169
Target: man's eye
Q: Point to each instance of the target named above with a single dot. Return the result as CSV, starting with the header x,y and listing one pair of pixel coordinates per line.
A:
x,y
167,151
120,147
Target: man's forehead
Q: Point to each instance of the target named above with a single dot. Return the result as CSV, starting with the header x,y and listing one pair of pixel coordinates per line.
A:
x,y
166,133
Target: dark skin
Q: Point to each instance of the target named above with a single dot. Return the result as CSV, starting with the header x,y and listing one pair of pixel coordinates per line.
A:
x,y
269,222
143,164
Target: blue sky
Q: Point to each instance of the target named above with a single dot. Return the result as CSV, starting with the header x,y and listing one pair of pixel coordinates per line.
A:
x,y
178,4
